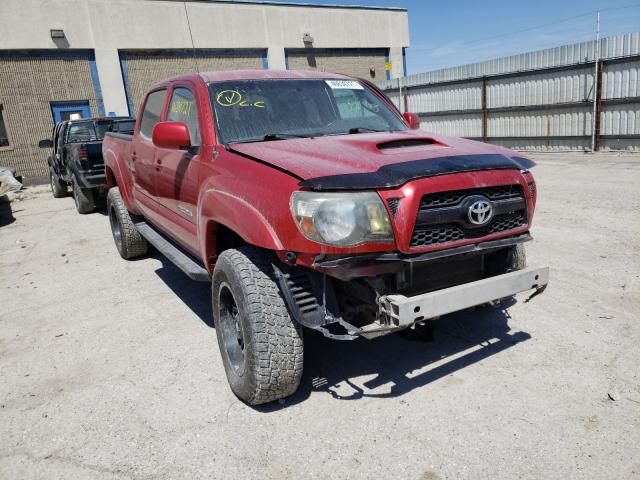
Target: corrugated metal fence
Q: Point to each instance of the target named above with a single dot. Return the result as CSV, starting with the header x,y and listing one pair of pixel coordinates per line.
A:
x,y
535,101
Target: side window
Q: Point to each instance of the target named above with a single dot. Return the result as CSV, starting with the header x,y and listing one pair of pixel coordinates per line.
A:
x,y
5,141
62,130
152,112
183,109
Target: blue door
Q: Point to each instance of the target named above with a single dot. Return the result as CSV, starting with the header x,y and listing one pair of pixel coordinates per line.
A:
x,y
68,110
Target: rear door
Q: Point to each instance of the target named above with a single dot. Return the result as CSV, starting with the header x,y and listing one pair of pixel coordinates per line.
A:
x,y
142,149
177,171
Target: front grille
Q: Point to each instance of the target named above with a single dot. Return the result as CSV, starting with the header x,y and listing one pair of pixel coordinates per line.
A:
x,y
454,197
450,208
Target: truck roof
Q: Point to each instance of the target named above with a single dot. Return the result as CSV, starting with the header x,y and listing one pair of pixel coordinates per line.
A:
x,y
259,74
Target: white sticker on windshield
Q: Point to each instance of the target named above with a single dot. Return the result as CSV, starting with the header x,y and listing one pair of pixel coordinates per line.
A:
x,y
348,84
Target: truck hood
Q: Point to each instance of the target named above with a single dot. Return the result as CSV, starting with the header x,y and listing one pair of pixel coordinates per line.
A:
x,y
378,160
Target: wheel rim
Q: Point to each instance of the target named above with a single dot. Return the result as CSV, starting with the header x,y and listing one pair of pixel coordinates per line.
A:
x,y
231,328
115,227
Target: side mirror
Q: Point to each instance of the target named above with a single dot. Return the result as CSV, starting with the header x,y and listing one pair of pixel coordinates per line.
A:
x,y
413,120
171,135
45,143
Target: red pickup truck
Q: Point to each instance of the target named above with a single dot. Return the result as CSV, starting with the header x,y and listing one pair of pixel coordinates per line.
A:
x,y
309,200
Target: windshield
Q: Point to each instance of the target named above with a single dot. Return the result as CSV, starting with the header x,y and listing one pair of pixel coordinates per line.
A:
x,y
274,109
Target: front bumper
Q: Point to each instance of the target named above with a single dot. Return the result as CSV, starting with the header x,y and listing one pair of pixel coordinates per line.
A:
x,y
398,312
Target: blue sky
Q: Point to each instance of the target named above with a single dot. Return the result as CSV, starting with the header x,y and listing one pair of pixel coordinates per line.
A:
x,y
448,33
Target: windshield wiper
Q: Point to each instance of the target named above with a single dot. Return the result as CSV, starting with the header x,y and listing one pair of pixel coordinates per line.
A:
x,y
283,136
365,129
274,136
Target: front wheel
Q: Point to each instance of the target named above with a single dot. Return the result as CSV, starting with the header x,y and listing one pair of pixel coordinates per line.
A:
x,y
58,187
260,344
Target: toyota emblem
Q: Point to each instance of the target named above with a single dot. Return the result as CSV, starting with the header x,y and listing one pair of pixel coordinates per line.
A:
x,y
480,212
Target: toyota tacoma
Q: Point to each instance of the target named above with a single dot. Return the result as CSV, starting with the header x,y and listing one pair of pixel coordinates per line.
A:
x,y
309,201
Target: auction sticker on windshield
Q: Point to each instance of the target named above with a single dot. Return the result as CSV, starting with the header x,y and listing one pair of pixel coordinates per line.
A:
x,y
348,84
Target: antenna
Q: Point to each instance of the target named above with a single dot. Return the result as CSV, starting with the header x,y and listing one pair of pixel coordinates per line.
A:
x,y
193,47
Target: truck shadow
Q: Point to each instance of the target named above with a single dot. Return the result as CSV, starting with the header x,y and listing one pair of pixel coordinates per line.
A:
x,y
386,367
392,366
195,295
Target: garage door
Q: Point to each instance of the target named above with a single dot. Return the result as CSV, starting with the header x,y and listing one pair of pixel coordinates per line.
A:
x,y
366,63
142,70
31,83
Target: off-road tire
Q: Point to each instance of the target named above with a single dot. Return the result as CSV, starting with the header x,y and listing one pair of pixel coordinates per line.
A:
x,y
517,257
58,187
514,259
84,198
129,242
272,342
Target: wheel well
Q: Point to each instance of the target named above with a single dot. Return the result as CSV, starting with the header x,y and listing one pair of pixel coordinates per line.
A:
x,y
218,239
226,239
111,178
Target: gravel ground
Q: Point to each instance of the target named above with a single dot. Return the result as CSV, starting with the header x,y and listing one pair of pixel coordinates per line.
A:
x,y
110,369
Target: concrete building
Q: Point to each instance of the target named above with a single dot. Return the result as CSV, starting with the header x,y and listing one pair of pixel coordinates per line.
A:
x,y
98,57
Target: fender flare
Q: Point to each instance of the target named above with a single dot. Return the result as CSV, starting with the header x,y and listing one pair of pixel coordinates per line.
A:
x,y
217,206
112,163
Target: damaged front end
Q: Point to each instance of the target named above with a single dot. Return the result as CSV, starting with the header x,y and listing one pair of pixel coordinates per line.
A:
x,y
375,294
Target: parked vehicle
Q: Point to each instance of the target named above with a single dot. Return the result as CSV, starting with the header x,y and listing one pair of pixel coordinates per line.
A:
x,y
310,201
76,158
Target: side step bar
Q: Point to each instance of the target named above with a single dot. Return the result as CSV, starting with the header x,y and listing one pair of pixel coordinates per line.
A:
x,y
184,262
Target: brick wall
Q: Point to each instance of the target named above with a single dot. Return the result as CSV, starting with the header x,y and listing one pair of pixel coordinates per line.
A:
x,y
28,85
144,69
350,62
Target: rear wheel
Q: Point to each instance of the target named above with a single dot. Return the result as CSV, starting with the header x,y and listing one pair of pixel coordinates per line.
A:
x,y
129,242
84,198
260,344
58,187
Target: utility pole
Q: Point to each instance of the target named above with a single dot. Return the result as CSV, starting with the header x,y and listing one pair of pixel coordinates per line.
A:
x,y
596,53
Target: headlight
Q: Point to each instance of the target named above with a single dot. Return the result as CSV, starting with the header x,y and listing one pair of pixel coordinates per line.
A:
x,y
342,219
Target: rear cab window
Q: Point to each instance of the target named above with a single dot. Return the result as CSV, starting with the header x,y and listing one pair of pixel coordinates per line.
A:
x,y
81,132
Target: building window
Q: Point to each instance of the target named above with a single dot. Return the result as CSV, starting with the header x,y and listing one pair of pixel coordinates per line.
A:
x,y
5,139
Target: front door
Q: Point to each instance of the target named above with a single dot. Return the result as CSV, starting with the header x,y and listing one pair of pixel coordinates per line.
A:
x,y
176,177
70,110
